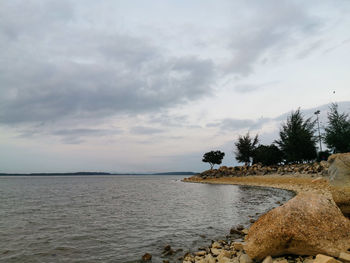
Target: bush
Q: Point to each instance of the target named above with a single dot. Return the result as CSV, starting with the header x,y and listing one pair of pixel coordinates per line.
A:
x,y
267,155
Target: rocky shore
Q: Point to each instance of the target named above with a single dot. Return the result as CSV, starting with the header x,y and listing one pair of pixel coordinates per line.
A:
x,y
310,228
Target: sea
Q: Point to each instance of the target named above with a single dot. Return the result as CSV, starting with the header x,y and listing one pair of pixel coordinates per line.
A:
x,y
119,218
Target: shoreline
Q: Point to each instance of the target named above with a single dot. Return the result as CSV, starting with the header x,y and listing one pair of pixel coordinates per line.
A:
x,y
221,250
292,182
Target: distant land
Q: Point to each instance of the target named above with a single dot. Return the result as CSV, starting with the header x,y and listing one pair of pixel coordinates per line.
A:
x,y
94,173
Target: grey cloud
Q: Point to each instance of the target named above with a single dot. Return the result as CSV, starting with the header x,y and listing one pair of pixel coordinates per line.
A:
x,y
92,74
308,50
246,88
229,124
145,130
269,27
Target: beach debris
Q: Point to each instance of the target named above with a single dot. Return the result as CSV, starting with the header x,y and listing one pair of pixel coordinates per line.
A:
x,y
308,224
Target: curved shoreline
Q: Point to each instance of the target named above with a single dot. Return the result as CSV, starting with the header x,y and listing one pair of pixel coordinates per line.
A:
x,y
295,183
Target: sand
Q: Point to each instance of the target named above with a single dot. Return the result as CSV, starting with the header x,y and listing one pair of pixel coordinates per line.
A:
x,y
296,183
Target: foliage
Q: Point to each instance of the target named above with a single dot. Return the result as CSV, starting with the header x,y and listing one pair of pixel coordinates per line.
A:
x,y
323,156
297,140
267,155
213,157
245,147
337,133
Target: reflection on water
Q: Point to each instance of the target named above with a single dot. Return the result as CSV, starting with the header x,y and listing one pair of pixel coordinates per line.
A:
x,y
118,218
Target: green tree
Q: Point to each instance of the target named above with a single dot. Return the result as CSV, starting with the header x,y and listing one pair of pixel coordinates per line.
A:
x,y
245,147
213,157
267,155
337,132
297,140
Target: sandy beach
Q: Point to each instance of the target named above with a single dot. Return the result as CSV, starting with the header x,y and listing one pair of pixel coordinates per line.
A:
x,y
296,183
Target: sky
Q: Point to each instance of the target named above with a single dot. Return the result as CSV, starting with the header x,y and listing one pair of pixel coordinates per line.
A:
x,y
150,86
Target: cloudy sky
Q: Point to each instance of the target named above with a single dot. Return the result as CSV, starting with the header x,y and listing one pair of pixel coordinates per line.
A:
x,y
131,86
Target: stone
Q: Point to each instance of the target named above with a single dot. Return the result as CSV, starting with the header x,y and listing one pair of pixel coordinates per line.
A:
x,y
146,257
343,256
216,245
268,259
339,172
244,258
200,253
308,224
325,259
245,231
224,254
215,251
234,231
167,248
210,259
238,246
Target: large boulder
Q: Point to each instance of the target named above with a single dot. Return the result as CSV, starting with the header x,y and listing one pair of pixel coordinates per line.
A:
x,y
308,224
339,172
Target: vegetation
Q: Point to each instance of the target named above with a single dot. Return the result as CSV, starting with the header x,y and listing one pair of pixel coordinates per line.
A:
x,y
245,148
337,133
213,157
267,155
297,140
296,143
323,156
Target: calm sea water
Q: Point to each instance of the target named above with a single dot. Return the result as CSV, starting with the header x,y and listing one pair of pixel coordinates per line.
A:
x,y
119,218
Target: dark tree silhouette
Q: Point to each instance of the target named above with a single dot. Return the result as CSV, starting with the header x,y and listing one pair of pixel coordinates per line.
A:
x,y
267,155
245,147
337,132
297,140
213,157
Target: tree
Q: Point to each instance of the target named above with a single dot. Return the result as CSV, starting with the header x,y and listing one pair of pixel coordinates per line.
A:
x,y
297,140
267,155
337,132
245,147
213,157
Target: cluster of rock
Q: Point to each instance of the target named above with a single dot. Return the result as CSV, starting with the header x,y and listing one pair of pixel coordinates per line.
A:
x,y
320,168
309,228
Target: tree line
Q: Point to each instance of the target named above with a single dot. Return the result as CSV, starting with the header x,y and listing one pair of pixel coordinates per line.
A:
x,y
296,144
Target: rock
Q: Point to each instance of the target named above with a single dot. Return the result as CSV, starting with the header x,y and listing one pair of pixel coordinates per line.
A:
x,y
216,245
234,231
325,259
146,257
200,253
244,258
344,257
166,261
268,259
245,231
339,171
167,248
240,227
308,224
238,246
224,254
215,251
210,259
